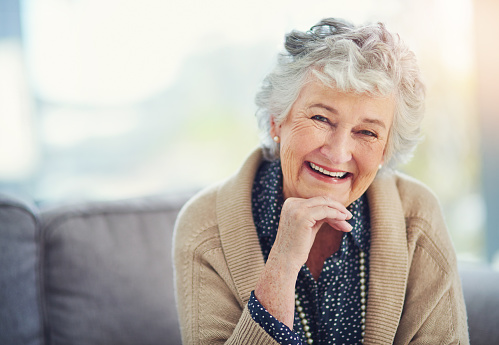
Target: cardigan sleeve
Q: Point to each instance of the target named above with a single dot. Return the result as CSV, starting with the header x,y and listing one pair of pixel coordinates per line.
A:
x,y
276,329
209,310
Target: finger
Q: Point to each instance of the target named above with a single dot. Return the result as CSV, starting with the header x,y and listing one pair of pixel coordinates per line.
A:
x,y
332,216
343,226
327,213
298,203
330,202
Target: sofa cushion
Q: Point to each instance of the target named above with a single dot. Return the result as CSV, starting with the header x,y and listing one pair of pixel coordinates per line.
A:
x,y
20,313
481,295
108,272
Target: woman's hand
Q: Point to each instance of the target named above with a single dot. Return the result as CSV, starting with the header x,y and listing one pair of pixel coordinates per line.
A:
x,y
300,221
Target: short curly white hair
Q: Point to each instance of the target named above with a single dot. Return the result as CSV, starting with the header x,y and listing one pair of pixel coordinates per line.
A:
x,y
362,59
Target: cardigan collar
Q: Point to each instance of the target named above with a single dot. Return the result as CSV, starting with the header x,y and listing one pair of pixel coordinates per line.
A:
x,y
388,256
388,267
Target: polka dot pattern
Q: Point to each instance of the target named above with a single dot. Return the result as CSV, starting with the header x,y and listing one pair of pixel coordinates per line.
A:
x,y
276,329
332,303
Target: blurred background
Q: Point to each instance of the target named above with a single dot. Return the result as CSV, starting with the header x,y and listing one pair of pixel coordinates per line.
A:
x,y
110,99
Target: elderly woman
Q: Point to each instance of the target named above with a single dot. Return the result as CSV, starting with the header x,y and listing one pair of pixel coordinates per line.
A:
x,y
317,239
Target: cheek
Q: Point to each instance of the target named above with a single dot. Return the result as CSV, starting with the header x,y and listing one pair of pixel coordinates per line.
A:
x,y
290,164
369,159
287,158
291,159
295,146
295,141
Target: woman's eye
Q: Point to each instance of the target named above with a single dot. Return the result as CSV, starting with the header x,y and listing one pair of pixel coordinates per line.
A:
x,y
368,133
320,118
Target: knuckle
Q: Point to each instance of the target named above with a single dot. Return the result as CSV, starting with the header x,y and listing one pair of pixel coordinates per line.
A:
x,y
289,202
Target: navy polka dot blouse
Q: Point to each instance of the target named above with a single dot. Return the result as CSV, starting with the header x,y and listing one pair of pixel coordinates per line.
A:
x,y
332,304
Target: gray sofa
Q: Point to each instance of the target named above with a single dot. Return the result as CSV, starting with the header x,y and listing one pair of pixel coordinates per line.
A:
x,y
101,273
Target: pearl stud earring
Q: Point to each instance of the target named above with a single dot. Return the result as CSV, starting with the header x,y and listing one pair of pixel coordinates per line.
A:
x,y
277,139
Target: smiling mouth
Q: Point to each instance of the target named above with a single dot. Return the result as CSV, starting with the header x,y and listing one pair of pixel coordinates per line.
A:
x,y
339,175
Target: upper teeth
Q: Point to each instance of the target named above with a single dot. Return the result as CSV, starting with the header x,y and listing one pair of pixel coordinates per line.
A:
x,y
326,172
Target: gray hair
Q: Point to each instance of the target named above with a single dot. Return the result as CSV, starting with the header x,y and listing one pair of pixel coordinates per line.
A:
x,y
363,59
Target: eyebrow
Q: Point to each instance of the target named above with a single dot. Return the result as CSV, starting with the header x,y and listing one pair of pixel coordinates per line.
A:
x,y
374,122
328,108
334,111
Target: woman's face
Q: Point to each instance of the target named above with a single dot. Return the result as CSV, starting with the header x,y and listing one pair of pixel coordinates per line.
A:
x,y
332,142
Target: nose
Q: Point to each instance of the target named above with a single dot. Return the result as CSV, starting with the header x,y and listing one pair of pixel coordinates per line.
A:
x,y
338,146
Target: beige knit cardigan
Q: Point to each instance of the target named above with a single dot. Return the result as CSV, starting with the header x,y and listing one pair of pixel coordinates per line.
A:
x,y
414,292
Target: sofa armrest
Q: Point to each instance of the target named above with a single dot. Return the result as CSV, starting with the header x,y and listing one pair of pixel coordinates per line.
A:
x,y
20,311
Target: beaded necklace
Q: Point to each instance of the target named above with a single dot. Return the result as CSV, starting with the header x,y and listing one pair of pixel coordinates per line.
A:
x,y
304,321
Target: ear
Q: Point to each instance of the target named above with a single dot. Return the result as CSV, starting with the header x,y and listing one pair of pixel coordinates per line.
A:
x,y
275,129
382,160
